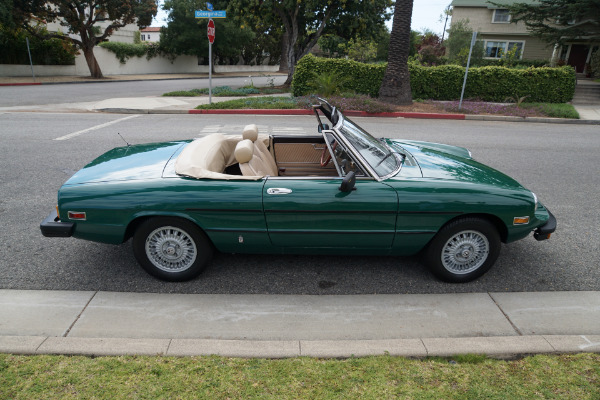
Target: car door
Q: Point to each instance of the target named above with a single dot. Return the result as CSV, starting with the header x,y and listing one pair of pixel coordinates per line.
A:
x,y
314,213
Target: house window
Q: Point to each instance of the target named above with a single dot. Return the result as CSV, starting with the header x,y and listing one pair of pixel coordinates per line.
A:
x,y
143,37
497,49
148,36
501,16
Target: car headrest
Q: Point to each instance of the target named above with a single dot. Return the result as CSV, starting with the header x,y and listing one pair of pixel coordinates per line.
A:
x,y
250,132
244,151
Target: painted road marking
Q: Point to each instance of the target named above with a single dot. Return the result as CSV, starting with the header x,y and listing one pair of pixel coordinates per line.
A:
x,y
93,128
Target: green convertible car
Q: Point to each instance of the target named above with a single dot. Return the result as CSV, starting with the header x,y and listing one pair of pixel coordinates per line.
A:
x,y
339,191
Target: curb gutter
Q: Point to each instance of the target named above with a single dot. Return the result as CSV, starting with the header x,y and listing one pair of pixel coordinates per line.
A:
x,y
358,114
497,347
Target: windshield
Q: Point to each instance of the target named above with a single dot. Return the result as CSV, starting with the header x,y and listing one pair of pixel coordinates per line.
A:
x,y
375,153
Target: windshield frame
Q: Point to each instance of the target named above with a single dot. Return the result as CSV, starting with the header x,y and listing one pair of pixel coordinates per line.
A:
x,y
367,166
337,118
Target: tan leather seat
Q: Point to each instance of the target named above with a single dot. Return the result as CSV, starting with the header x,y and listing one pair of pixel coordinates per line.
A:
x,y
251,133
250,162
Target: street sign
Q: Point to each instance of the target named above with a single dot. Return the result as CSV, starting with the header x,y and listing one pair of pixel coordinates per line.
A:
x,y
210,7
210,31
211,14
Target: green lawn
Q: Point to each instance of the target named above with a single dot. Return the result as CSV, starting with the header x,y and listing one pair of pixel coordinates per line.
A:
x,y
385,377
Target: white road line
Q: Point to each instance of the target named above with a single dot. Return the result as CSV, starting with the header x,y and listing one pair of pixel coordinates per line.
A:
x,y
93,128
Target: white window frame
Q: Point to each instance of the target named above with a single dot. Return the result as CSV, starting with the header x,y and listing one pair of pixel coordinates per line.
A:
x,y
143,37
507,42
500,22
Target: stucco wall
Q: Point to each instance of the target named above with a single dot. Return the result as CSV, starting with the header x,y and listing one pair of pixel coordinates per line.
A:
x,y
110,65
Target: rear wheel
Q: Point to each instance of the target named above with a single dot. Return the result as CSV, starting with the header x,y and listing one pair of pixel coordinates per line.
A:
x,y
463,250
171,249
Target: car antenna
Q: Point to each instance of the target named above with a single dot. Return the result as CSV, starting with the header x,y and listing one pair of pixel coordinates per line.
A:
x,y
128,145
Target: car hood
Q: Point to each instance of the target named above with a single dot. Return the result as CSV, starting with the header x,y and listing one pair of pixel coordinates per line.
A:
x,y
441,161
144,161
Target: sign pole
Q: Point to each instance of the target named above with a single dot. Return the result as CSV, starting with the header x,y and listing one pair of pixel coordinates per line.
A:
x,y
462,93
210,32
210,71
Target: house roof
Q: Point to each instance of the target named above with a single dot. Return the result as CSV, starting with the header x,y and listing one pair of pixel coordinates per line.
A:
x,y
488,3
151,29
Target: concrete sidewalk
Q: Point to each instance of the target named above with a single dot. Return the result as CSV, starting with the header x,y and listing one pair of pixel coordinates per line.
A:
x,y
273,326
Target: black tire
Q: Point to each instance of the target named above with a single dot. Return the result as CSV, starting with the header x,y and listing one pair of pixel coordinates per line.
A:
x,y
463,250
171,249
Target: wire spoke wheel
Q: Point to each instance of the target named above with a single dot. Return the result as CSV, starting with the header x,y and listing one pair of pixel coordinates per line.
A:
x,y
465,252
171,249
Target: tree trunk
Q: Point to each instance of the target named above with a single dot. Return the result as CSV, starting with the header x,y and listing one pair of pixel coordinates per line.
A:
x,y
93,65
283,63
395,87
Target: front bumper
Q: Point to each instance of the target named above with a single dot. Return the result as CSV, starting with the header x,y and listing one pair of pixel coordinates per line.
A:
x,y
54,227
544,231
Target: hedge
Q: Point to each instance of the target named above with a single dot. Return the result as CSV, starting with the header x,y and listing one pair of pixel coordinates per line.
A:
x,y
13,49
546,85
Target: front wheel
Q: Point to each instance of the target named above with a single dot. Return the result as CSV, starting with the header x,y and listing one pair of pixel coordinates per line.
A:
x,y
463,250
171,249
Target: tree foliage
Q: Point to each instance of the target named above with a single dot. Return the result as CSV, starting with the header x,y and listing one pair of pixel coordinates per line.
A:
x,y
557,21
303,22
89,21
185,34
459,42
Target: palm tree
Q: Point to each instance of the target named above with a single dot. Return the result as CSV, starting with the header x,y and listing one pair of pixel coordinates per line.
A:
x,y
395,87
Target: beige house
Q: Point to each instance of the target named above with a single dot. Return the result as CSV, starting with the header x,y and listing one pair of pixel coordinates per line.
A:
x,y
499,35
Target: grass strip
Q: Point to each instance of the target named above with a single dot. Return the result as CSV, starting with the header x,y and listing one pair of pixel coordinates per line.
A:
x,y
384,377
269,103
224,91
554,110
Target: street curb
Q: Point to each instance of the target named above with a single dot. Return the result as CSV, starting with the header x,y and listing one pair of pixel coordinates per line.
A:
x,y
467,117
496,347
20,84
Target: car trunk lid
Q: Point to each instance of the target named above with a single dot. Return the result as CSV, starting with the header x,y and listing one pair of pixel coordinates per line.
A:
x,y
143,161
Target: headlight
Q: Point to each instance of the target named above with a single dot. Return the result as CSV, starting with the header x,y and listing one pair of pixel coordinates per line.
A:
x,y
535,199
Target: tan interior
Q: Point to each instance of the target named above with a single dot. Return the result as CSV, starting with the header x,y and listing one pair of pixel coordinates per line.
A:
x,y
208,157
302,159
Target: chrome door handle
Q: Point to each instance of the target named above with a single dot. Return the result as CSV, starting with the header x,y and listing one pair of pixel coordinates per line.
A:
x,y
279,191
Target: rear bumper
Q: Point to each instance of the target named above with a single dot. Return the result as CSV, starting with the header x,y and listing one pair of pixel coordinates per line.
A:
x,y
544,231
54,227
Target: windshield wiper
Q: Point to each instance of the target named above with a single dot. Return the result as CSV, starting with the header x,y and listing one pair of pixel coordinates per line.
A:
x,y
389,154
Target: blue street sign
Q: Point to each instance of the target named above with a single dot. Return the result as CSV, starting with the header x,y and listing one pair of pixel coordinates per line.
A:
x,y
210,7
211,14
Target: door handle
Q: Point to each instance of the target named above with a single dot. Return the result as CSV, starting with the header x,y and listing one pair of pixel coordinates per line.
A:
x,y
279,191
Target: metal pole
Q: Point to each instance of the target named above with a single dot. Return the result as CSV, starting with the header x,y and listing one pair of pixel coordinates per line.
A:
x,y
209,70
30,60
473,39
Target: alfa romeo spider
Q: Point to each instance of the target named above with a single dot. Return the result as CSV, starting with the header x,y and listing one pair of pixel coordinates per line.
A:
x,y
337,191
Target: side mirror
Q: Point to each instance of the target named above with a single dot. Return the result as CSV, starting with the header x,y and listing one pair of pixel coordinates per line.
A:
x,y
325,127
348,182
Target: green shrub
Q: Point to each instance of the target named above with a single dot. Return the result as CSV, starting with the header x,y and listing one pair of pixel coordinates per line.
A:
x,y
595,64
361,78
124,51
493,83
13,49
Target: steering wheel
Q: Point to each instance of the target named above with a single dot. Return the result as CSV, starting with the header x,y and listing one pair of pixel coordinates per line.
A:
x,y
326,155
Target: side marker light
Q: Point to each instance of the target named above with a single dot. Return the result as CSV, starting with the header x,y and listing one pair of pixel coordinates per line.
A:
x,y
520,220
76,215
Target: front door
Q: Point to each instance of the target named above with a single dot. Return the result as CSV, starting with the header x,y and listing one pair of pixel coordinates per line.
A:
x,y
578,57
314,213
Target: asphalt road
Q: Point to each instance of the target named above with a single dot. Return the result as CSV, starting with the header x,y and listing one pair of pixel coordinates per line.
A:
x,y
558,162
64,93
